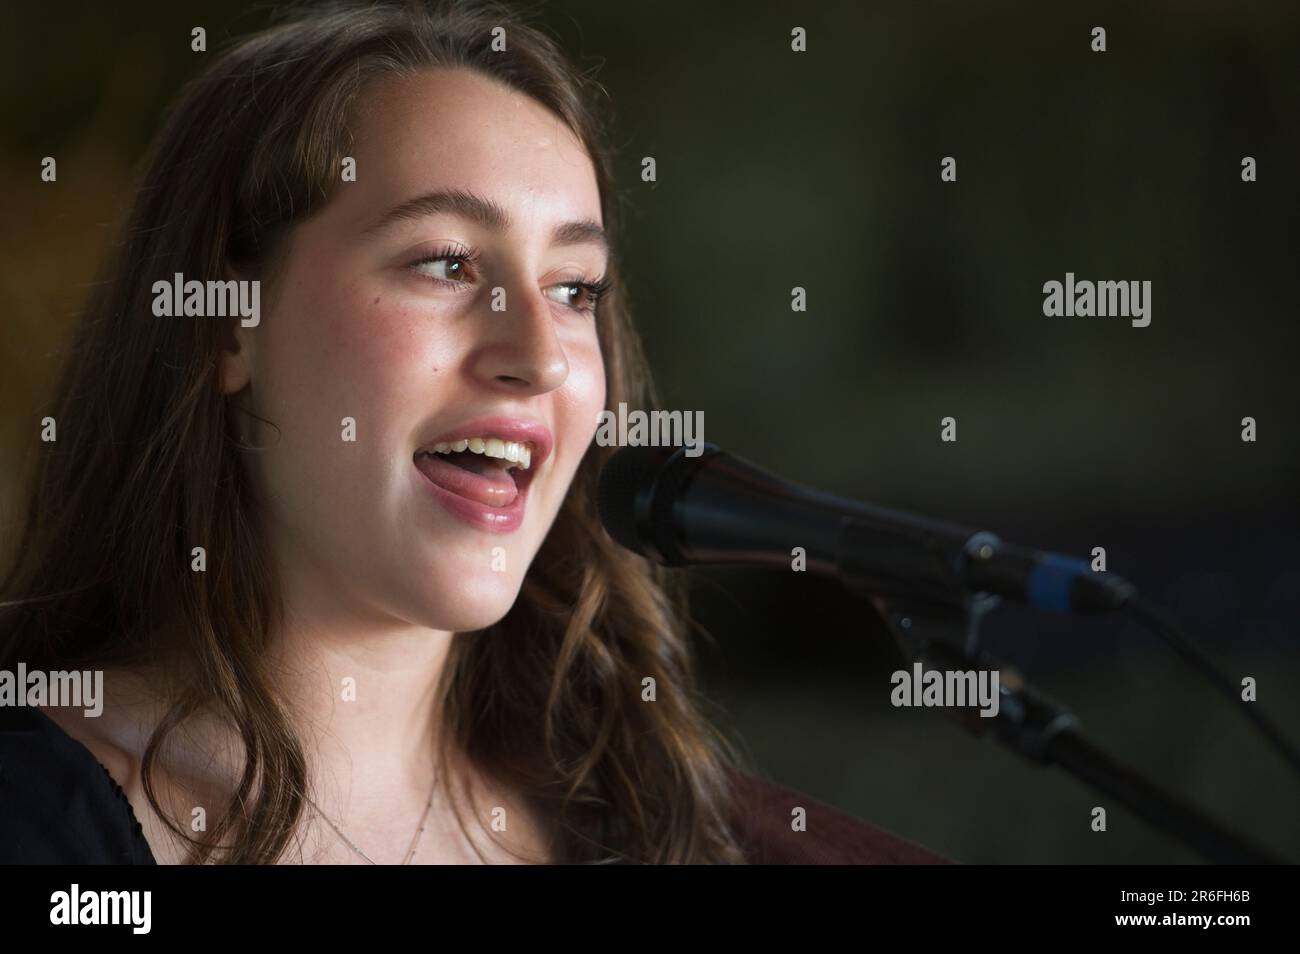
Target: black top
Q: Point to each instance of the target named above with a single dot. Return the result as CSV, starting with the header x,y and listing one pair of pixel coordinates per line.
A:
x,y
60,805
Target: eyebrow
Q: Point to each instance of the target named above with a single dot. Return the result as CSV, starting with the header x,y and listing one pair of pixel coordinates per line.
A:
x,y
487,213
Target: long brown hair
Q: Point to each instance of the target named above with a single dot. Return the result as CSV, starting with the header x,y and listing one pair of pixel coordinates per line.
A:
x,y
549,700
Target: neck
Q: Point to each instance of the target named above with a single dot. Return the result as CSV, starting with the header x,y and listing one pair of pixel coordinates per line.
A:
x,y
361,689
364,702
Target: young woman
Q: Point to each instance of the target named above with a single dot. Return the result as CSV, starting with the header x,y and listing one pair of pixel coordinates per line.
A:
x,y
337,554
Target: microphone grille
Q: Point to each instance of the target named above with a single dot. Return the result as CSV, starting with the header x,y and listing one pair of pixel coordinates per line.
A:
x,y
624,476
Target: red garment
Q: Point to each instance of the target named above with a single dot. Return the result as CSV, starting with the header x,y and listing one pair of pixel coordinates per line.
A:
x,y
763,818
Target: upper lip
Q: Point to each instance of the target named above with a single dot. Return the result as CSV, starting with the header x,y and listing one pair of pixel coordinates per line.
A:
x,y
503,428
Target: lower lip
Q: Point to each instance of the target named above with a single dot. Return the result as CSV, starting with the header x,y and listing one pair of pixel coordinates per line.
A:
x,y
477,515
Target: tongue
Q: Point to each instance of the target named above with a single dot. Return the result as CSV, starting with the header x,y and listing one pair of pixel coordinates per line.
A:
x,y
480,479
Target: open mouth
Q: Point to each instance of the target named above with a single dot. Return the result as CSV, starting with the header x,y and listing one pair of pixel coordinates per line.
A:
x,y
486,470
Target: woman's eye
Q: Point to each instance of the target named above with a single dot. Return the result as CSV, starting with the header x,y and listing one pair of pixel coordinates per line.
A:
x,y
447,268
571,294
456,267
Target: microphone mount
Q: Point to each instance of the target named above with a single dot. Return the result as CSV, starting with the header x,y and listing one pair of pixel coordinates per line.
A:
x,y
933,582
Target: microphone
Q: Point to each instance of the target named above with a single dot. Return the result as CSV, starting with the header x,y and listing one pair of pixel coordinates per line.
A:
x,y
714,508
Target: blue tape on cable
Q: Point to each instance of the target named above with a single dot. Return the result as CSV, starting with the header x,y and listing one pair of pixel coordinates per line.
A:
x,y
1049,582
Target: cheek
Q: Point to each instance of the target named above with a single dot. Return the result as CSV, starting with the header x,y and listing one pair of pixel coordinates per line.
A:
x,y
579,401
377,345
583,393
340,371
355,353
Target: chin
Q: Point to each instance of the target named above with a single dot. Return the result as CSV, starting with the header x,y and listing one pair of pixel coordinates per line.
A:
x,y
466,604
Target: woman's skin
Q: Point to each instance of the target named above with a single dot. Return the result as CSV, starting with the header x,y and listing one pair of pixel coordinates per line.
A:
x,y
377,573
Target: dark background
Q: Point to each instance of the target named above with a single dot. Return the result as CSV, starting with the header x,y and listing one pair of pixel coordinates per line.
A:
x,y
821,169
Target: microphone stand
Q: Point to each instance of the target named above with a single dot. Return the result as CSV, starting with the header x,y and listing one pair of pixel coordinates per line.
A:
x,y
945,637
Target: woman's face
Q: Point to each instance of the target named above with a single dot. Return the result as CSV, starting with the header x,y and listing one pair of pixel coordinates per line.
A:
x,y
435,304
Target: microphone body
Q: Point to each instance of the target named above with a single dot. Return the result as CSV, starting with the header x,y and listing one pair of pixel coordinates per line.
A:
x,y
719,509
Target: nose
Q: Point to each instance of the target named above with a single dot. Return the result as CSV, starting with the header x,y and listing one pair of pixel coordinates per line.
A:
x,y
519,349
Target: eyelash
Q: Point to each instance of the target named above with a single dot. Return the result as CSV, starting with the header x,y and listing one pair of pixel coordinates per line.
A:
x,y
595,289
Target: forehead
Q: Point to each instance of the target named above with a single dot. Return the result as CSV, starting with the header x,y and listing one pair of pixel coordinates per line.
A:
x,y
458,129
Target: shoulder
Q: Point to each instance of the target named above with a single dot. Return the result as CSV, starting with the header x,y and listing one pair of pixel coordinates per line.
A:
x,y
58,802
763,814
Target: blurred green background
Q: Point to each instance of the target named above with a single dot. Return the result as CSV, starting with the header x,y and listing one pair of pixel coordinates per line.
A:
x,y
821,170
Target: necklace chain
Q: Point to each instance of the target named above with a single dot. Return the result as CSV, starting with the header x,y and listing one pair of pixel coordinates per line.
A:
x,y
415,841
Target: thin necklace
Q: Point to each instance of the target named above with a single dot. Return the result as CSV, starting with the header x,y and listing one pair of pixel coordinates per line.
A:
x,y
410,853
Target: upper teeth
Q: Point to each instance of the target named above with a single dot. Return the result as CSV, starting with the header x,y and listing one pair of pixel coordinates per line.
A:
x,y
514,451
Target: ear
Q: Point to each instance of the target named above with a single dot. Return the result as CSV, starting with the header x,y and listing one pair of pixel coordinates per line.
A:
x,y
235,368
236,359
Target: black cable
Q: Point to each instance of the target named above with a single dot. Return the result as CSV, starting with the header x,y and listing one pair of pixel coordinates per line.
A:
x,y
1167,628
